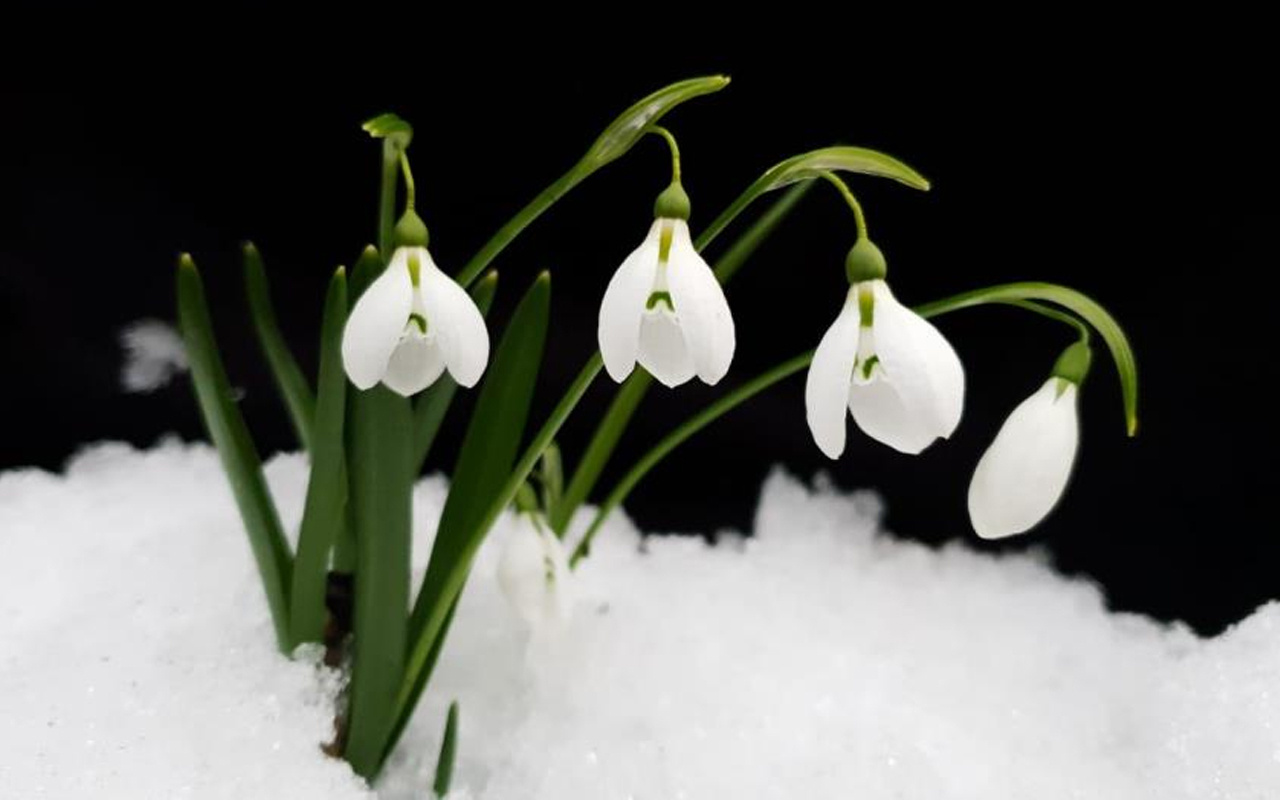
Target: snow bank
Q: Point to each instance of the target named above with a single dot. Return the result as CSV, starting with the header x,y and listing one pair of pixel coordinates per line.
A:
x,y
819,659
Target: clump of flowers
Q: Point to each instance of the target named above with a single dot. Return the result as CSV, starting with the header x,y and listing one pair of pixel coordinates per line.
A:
x,y
399,336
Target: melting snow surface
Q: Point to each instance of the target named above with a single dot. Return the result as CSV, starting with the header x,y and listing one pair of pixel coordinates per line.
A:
x,y
819,659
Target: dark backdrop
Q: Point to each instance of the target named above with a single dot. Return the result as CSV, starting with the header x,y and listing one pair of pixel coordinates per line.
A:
x,y
1137,173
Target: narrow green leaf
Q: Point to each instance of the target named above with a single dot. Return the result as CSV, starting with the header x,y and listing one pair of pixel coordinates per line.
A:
x,y
490,444
430,407
380,486
240,459
324,514
292,384
479,481
426,645
1088,308
626,130
808,166
448,752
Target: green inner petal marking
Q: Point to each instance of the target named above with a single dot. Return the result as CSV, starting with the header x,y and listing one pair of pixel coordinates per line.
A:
x,y
659,297
419,320
415,269
866,306
867,366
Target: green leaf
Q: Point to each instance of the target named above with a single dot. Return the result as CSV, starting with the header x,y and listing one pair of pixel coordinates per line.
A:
x,y
551,476
430,407
389,126
324,514
808,166
490,445
1089,309
448,752
630,125
478,483
380,486
240,459
427,644
292,384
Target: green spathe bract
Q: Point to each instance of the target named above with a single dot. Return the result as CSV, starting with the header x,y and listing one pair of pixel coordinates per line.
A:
x,y
367,447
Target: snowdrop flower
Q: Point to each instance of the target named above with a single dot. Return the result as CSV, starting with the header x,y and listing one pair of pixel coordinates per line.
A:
x,y
894,372
1022,475
534,575
664,306
411,324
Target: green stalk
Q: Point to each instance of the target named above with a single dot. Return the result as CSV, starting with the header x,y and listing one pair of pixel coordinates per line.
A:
x,y
292,384
380,474
674,439
627,397
231,437
426,645
325,510
508,232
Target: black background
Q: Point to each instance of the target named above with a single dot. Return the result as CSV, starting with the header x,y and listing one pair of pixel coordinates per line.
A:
x,y
1133,167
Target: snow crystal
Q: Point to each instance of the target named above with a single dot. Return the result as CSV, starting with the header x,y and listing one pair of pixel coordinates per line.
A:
x,y
153,355
818,659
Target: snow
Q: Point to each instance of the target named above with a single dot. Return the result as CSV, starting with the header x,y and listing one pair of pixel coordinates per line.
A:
x,y
821,658
153,355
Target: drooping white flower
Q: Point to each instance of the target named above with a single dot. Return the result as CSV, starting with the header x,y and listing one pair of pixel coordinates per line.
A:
x,y
665,309
534,575
1022,475
411,324
891,368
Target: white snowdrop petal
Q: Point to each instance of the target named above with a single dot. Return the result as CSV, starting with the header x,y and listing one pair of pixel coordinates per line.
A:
x,y
455,321
533,573
374,326
701,306
826,387
880,413
920,363
663,351
618,328
1022,475
416,364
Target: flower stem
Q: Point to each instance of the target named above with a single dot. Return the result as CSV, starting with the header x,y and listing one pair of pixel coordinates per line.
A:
x,y
410,190
858,217
675,149
387,198
674,439
499,241
1052,313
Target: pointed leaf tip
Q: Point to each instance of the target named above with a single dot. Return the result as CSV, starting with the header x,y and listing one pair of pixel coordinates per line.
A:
x,y
630,125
